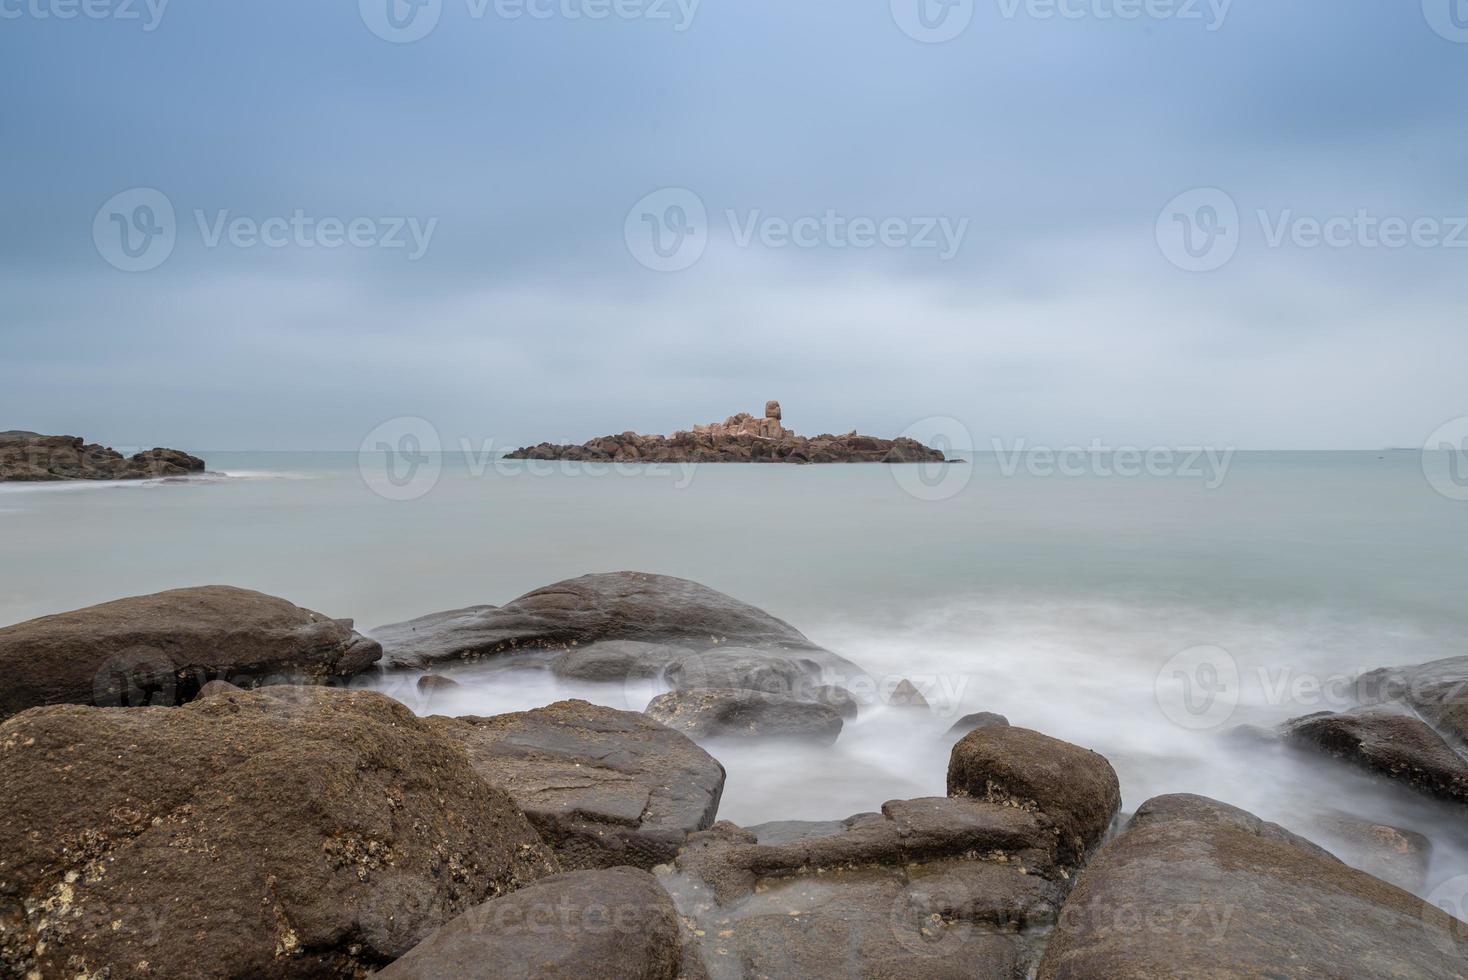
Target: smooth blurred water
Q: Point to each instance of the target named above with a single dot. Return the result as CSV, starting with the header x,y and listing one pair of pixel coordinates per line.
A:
x,y
1055,600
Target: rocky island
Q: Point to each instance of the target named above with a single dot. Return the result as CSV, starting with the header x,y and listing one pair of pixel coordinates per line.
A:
x,y
31,456
740,438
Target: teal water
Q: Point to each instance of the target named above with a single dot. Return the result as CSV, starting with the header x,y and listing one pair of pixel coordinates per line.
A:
x,y
1060,601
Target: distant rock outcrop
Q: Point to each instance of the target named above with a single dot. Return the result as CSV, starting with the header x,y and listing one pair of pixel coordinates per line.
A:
x,y
740,438
32,456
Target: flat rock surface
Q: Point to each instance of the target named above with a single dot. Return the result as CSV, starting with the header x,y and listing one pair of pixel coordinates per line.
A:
x,y
617,660
736,447
1195,888
933,887
1074,787
291,832
733,713
617,924
637,606
603,787
30,456
1387,741
162,648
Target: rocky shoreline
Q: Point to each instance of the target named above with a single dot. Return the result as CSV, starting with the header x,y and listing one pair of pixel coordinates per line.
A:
x,y
32,457
195,789
741,438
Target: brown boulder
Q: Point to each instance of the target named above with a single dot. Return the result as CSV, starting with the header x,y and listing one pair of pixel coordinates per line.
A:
x,y
1437,691
1197,888
927,888
1386,741
603,787
634,606
734,713
161,649
617,923
291,832
1075,788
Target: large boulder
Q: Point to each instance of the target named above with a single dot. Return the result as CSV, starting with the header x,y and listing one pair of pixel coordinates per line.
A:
x,y
290,832
733,713
30,456
161,649
1074,788
1386,741
1197,888
617,923
1438,691
637,606
603,787
927,888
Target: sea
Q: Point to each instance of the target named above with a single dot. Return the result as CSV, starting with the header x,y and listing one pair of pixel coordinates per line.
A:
x,y
1143,608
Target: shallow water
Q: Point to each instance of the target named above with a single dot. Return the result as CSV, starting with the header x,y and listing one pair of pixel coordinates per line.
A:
x,y
1072,605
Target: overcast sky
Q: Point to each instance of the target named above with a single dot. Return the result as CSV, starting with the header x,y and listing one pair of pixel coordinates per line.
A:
x,y
997,238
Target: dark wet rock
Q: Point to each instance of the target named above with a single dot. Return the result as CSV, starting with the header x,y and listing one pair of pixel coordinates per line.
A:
x,y
741,438
633,606
1197,888
161,649
1386,741
1074,787
934,887
906,695
979,719
430,683
1392,854
731,713
286,832
29,456
617,660
616,923
1437,691
1252,735
603,787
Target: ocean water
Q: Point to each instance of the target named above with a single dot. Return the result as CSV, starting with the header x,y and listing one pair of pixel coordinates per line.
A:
x,y
1142,616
